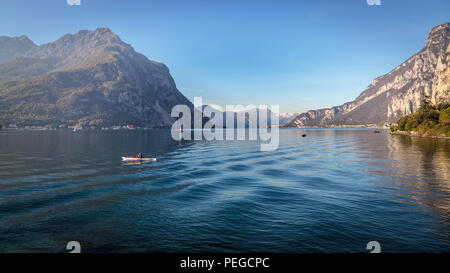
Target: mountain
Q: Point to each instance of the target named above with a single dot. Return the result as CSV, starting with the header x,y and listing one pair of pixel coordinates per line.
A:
x,y
285,118
14,47
241,119
397,93
87,78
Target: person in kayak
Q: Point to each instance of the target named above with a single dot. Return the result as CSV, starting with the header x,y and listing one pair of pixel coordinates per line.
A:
x,y
140,155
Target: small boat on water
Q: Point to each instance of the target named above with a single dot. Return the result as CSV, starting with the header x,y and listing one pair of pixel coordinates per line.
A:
x,y
135,158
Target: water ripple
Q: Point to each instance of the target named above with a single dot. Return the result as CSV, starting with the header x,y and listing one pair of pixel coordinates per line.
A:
x,y
330,192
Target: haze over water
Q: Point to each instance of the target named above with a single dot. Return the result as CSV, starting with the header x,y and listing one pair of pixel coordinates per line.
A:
x,y
333,191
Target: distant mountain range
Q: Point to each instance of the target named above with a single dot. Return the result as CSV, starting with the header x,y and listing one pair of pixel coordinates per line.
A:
x,y
280,118
397,93
88,78
285,118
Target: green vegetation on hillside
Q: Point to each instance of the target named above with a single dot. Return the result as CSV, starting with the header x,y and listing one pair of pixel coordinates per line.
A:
x,y
428,120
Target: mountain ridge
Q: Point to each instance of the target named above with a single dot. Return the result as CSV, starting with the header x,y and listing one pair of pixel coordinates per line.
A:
x,y
87,78
396,93
14,47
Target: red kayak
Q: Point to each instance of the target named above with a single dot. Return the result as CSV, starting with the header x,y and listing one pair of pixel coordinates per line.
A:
x,y
134,158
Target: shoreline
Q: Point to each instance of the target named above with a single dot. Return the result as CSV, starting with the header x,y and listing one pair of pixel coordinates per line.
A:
x,y
415,134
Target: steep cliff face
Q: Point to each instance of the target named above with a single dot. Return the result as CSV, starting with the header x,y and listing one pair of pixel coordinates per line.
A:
x,y
91,77
397,93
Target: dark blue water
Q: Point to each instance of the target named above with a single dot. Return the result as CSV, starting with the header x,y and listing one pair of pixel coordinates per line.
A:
x,y
333,191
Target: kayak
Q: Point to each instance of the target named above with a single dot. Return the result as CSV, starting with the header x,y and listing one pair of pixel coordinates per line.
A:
x,y
133,158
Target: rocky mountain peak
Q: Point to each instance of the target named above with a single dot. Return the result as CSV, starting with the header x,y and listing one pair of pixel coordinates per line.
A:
x,y
439,37
25,39
20,39
83,48
12,47
88,39
438,33
100,36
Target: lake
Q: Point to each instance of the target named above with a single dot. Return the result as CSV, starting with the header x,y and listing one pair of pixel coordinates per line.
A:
x,y
332,191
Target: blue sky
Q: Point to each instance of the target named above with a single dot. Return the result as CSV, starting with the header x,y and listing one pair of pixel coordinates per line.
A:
x,y
299,54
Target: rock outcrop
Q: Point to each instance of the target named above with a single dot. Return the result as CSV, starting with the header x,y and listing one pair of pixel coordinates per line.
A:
x,y
14,47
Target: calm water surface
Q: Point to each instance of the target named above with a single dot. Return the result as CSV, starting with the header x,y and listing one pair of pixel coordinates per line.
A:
x,y
332,191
